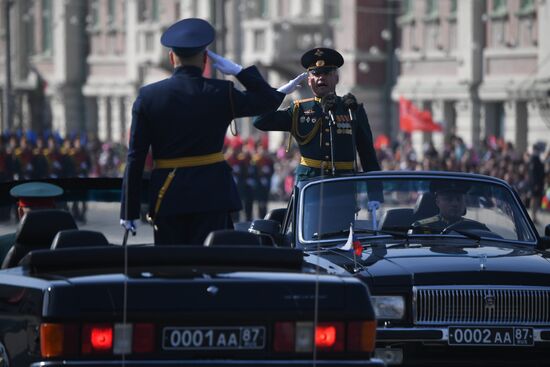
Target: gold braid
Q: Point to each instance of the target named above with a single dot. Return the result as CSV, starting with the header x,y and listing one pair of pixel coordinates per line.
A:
x,y
294,131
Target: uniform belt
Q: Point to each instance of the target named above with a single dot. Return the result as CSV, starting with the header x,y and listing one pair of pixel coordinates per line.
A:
x,y
314,163
174,164
194,161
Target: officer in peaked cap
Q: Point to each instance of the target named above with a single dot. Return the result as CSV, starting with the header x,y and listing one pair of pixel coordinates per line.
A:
x,y
319,61
183,120
328,141
30,196
450,199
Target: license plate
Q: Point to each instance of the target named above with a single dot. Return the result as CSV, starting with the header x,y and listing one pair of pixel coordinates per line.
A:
x,y
211,338
501,336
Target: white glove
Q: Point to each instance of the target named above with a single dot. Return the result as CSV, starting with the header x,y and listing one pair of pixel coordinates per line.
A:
x,y
292,85
128,225
224,65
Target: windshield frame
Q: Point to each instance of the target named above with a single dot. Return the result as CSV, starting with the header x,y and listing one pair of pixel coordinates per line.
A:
x,y
419,175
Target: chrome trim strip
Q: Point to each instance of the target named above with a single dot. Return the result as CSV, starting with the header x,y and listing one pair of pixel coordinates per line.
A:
x,y
221,362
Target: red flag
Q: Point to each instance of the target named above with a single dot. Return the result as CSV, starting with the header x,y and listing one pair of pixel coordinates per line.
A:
x,y
412,119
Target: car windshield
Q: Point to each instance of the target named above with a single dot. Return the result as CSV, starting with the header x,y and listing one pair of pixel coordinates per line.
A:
x,y
413,206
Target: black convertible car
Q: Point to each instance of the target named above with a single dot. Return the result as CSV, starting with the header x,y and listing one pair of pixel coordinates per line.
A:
x,y
71,295
474,290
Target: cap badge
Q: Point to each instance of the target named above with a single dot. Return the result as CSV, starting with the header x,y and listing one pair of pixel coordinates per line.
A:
x,y
320,63
319,53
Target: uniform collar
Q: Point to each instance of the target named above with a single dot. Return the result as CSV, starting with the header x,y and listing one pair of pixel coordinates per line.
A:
x,y
188,71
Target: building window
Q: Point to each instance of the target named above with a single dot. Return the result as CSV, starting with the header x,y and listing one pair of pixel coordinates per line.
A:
x,y
259,40
263,8
499,9
431,7
306,7
452,9
333,9
111,13
527,8
149,10
407,13
155,10
29,21
93,17
47,26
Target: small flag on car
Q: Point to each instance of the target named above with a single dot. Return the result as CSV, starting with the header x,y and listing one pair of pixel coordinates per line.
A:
x,y
353,243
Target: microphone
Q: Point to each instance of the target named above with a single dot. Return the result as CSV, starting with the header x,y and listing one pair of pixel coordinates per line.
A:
x,y
350,102
328,103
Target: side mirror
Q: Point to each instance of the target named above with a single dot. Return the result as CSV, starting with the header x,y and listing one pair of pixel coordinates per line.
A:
x,y
277,215
268,229
544,243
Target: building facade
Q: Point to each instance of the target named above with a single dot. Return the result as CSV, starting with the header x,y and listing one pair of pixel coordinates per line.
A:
x,y
480,66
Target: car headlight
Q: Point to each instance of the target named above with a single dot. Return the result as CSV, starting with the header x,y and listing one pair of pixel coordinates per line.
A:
x,y
388,307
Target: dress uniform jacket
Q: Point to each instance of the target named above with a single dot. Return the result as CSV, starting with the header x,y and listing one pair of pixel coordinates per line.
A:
x,y
187,115
309,125
436,224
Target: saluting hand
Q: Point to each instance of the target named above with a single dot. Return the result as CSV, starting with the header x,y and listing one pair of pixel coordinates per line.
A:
x,y
292,85
224,65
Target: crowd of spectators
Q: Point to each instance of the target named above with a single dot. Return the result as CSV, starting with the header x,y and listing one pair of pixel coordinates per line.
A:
x,y
29,155
262,175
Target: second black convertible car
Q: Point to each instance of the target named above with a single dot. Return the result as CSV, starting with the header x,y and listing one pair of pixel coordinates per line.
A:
x,y
455,267
77,299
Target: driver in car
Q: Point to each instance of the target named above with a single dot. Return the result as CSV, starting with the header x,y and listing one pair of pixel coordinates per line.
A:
x,y
450,199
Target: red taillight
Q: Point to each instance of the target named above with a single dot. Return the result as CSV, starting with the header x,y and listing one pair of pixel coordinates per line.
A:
x,y
283,340
330,336
300,337
97,338
143,340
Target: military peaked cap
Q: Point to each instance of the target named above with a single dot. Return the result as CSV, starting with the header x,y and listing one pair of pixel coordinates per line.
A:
x,y
322,59
441,186
188,37
39,194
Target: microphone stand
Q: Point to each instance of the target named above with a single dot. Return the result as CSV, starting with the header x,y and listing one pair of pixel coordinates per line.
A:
x,y
331,128
353,122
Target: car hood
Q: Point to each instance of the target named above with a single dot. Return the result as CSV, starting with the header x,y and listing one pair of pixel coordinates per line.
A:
x,y
448,264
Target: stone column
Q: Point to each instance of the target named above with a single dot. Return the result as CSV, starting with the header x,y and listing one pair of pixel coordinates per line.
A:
x,y
438,115
468,121
59,121
515,124
103,118
127,103
538,130
116,120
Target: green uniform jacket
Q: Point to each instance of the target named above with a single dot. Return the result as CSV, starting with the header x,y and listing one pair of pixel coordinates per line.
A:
x,y
437,224
309,126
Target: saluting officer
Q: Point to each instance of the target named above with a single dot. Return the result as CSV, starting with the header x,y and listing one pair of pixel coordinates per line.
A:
x,y
326,139
184,120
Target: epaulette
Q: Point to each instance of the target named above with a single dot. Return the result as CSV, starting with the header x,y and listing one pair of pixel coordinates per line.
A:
x,y
429,220
299,101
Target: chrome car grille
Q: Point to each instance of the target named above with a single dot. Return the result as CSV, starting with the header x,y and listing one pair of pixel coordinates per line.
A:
x,y
435,305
